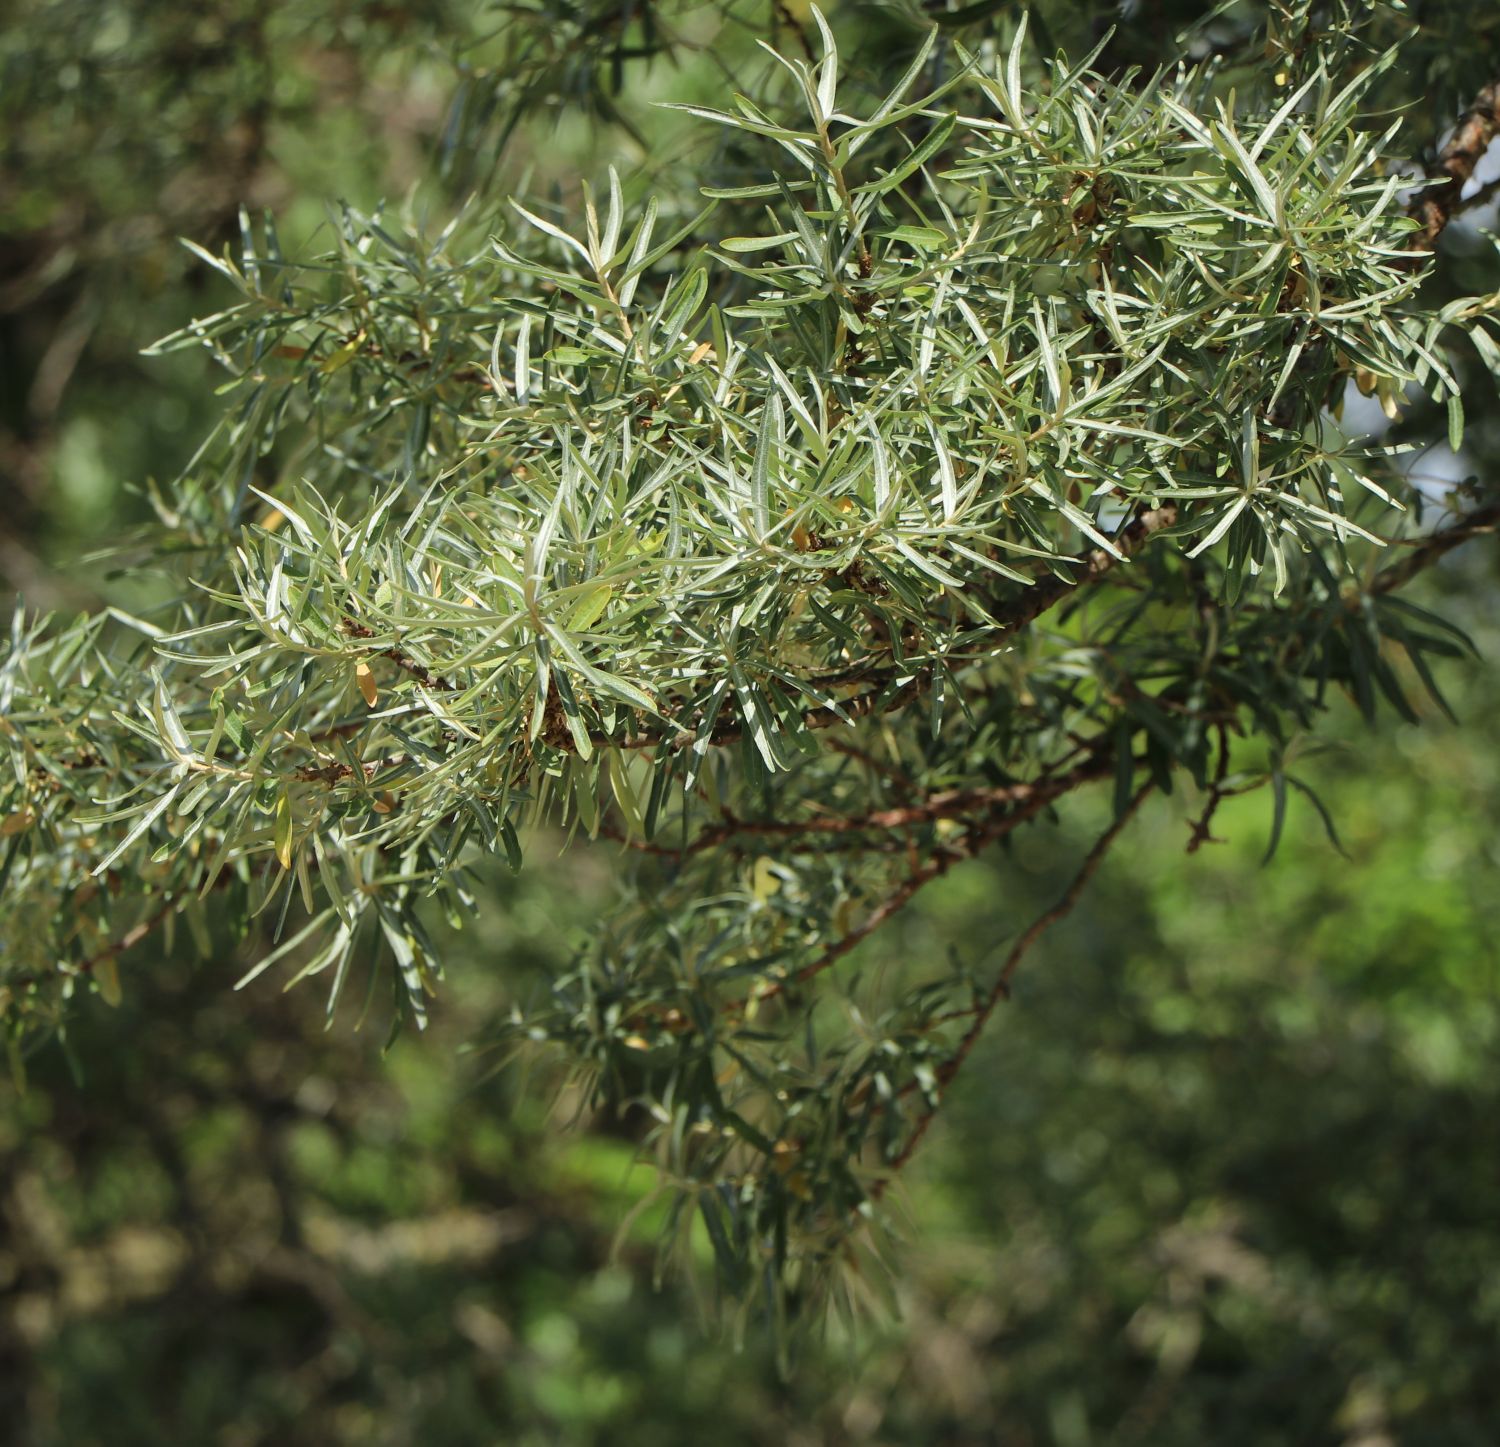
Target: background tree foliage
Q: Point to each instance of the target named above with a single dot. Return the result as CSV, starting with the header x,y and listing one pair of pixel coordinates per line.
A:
x,y
979,444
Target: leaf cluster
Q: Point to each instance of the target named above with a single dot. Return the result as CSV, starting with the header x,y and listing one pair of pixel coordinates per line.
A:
x,y
807,536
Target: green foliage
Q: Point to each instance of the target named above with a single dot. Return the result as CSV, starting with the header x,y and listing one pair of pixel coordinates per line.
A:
x,y
964,436
1222,1174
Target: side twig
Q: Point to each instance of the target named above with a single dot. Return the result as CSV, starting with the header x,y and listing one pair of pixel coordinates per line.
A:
x,y
1000,990
1424,552
978,837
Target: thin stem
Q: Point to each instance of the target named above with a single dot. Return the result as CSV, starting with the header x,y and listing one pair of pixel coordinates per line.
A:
x,y
1000,990
969,845
1426,551
783,12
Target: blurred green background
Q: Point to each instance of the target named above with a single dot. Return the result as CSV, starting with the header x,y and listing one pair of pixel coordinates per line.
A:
x,y
1225,1171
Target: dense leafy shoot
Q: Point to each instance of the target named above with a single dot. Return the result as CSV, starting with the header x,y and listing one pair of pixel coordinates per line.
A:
x,y
971,438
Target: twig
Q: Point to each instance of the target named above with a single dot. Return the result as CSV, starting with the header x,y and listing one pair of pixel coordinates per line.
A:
x,y
881,697
897,776
424,675
1435,204
878,696
1216,795
980,834
783,12
132,937
1000,990
144,928
1426,551
947,804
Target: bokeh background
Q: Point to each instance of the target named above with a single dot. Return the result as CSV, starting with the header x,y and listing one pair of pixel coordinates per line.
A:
x,y
1226,1171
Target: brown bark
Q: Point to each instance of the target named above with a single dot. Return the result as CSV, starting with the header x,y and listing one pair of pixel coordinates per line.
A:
x,y
1436,204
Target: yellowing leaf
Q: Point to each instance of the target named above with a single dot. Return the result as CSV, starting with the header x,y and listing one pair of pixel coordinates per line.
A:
x,y
107,977
366,681
590,607
283,831
764,881
344,355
